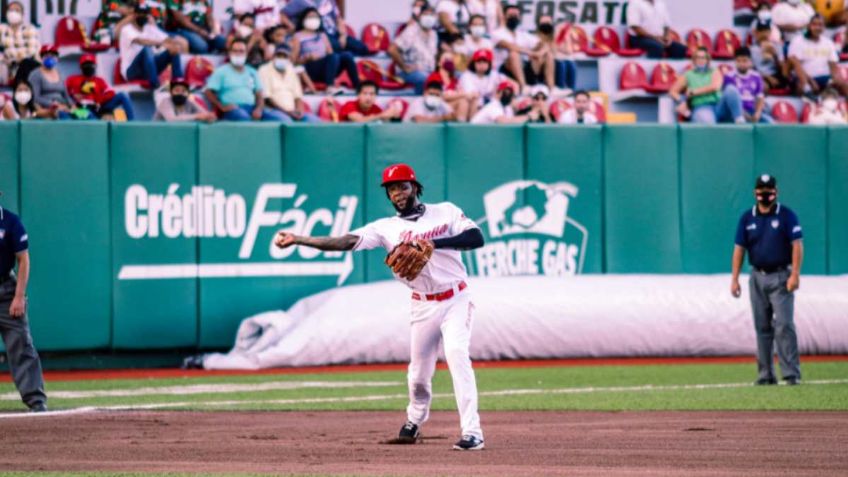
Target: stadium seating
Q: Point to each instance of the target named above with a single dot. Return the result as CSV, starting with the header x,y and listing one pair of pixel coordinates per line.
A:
x,y
558,107
726,43
328,110
662,78
70,34
375,37
197,70
633,76
370,70
783,112
806,111
579,38
698,38
404,106
607,39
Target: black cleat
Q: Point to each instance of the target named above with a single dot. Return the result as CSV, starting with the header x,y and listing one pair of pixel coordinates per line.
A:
x,y
409,433
38,407
469,443
193,362
765,382
792,381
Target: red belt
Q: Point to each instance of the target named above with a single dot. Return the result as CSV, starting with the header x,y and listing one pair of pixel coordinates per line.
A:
x,y
445,295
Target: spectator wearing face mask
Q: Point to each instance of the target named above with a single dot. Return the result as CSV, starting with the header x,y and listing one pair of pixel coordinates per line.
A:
x,y
814,60
245,29
414,50
829,110
563,75
649,27
538,106
430,108
581,113
24,104
364,108
481,80
195,22
500,110
768,56
751,87
93,92
282,87
137,43
235,89
332,23
178,106
19,42
763,17
704,101
312,49
48,88
521,55
460,101
792,17
476,39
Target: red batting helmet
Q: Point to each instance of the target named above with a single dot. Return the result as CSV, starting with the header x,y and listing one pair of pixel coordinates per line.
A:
x,y
398,173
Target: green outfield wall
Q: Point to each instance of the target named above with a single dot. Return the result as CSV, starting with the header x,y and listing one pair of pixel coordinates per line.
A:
x,y
153,236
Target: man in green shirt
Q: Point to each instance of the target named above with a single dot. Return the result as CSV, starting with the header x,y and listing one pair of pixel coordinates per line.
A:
x,y
699,96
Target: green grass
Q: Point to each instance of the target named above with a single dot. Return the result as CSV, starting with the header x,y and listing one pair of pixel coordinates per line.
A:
x,y
808,396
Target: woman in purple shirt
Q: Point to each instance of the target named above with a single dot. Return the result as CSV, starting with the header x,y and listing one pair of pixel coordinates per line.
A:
x,y
312,48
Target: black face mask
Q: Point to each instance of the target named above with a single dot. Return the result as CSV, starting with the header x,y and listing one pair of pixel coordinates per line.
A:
x,y
88,69
766,199
506,98
141,20
413,210
179,99
513,22
546,28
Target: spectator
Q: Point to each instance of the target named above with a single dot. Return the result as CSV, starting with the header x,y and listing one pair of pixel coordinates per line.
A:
x,y
312,49
332,24
564,73
364,108
265,12
93,92
829,109
452,92
195,22
24,103
492,10
7,108
650,29
454,19
179,106
768,57
792,17
763,17
137,41
48,88
282,87
539,95
481,80
274,37
112,13
19,43
705,102
500,110
521,55
244,29
751,87
430,108
815,61
476,39
414,50
581,113
235,90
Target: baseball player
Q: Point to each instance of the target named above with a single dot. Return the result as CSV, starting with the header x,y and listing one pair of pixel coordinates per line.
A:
x,y
424,241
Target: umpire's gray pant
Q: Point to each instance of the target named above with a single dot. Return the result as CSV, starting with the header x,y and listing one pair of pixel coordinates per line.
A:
x,y
773,306
23,358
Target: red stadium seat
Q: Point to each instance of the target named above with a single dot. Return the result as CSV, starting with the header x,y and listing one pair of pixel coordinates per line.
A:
x,y
806,111
118,78
662,78
606,37
843,70
633,76
726,43
197,71
698,38
369,70
70,32
598,109
558,107
579,38
629,48
306,107
375,37
328,110
404,106
783,112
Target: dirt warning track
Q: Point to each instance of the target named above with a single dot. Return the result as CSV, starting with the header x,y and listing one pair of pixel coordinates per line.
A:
x,y
518,443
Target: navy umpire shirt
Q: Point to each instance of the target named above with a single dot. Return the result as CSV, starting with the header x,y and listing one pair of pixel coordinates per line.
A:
x,y
13,240
768,237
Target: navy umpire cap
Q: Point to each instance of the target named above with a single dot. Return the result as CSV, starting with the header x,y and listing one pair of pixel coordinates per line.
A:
x,y
766,181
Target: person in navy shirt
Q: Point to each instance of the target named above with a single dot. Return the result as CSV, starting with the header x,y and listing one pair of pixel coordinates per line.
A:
x,y
771,234
14,327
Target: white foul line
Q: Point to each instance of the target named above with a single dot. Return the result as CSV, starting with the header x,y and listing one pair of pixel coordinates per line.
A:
x,y
385,397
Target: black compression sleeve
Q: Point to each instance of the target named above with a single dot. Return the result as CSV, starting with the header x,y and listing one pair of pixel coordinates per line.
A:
x,y
468,240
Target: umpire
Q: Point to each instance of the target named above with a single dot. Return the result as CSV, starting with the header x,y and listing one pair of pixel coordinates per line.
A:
x,y
771,234
23,359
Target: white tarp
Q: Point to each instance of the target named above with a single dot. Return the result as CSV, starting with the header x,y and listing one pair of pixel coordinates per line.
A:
x,y
541,317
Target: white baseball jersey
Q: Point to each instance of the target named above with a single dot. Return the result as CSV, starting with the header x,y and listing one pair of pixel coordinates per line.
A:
x,y
445,268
